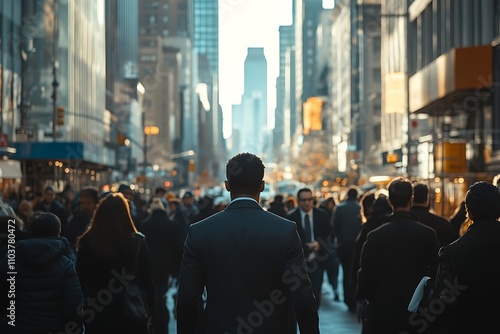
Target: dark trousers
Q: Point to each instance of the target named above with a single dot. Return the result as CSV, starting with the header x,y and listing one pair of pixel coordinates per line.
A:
x,y
315,271
345,256
161,316
331,266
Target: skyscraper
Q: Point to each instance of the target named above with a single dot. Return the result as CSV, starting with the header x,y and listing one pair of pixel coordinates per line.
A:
x,y
282,116
251,115
206,45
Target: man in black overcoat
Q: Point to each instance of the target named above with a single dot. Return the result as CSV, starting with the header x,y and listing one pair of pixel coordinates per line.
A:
x,y
394,259
250,262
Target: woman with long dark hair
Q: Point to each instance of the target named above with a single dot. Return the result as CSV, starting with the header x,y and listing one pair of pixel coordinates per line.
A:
x,y
106,252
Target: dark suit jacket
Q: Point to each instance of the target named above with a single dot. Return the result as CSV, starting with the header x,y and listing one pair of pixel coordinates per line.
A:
x,y
394,259
439,224
321,229
248,260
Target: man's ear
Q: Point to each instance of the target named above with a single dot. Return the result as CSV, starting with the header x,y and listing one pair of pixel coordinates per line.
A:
x,y
226,184
262,186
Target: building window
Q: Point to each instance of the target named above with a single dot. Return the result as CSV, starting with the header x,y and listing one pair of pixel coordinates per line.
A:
x,y
148,58
165,32
165,19
377,132
165,6
376,45
182,24
376,75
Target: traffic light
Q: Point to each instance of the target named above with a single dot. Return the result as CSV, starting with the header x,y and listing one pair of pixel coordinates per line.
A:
x,y
121,139
392,158
60,115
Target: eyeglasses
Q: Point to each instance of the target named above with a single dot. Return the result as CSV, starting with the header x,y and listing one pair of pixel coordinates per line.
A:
x,y
306,199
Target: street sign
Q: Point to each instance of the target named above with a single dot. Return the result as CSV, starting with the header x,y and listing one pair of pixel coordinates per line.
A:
x,y
28,132
51,134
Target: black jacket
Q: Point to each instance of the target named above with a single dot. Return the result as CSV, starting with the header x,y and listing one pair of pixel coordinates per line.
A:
x,y
47,291
473,265
249,260
439,224
394,259
377,219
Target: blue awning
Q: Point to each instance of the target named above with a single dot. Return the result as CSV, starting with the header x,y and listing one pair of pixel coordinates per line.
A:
x,y
49,151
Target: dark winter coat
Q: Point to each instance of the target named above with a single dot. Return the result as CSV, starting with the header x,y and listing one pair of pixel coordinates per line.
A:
x,y
103,280
164,245
473,271
48,296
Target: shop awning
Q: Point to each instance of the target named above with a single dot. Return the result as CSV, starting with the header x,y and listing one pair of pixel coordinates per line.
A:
x,y
10,169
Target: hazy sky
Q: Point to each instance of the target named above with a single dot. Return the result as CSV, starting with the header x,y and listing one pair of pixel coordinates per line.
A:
x,y
243,24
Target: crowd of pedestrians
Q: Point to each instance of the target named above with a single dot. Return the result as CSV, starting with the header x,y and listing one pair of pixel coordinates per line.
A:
x,y
243,266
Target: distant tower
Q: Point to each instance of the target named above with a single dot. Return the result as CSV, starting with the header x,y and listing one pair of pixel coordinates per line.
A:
x,y
251,116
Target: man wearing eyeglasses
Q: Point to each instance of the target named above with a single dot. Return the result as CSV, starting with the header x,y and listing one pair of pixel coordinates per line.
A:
x,y
314,231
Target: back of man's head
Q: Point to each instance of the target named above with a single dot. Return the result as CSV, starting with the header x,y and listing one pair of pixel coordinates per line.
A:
x,y
483,201
400,193
90,192
45,224
352,194
420,193
245,173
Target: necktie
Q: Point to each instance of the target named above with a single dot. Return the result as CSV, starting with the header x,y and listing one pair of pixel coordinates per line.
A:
x,y
307,229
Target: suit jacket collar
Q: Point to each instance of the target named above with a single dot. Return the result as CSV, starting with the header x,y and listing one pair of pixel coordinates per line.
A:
x,y
243,203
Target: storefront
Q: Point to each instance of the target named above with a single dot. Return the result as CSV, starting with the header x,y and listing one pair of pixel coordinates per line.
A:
x,y
59,164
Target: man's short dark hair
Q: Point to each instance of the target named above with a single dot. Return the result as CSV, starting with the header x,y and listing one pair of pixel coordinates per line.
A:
x,y
45,224
245,173
420,193
160,190
303,190
483,201
400,192
90,192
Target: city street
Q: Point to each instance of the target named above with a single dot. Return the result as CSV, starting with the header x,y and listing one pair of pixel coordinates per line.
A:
x,y
333,316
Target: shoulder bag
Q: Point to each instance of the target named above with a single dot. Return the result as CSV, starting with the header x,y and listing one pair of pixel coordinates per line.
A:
x,y
135,297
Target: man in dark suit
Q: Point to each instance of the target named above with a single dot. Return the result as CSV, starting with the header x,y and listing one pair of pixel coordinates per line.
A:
x,y
394,259
250,262
420,209
346,222
315,233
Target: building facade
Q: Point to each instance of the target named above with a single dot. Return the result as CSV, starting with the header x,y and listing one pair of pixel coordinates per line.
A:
x,y
453,55
64,137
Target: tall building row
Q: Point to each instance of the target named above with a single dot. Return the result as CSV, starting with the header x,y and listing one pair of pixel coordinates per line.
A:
x,y
109,91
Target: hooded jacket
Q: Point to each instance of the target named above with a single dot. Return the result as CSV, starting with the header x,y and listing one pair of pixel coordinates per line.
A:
x,y
47,290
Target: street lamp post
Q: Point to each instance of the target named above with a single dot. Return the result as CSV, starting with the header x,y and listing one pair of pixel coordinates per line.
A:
x,y
148,131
